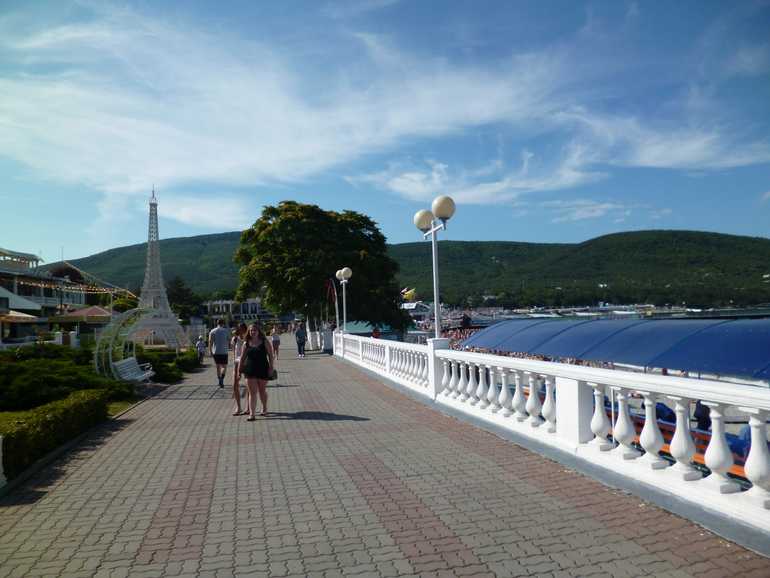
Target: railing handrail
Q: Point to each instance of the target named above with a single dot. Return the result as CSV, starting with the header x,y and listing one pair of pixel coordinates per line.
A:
x,y
390,343
697,389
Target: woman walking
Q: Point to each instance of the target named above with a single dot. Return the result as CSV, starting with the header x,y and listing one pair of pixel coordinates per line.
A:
x,y
275,336
236,346
257,364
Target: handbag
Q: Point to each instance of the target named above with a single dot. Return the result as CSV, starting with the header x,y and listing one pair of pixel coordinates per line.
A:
x,y
273,376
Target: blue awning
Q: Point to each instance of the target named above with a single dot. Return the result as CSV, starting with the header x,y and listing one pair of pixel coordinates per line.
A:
x,y
739,347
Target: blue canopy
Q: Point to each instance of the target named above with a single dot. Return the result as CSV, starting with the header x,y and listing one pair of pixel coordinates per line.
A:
x,y
739,347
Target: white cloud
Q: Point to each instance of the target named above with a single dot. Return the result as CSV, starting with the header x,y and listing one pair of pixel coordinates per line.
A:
x,y
123,101
216,212
765,197
581,209
749,60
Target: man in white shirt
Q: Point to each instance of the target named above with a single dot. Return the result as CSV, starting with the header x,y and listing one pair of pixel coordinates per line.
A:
x,y
219,338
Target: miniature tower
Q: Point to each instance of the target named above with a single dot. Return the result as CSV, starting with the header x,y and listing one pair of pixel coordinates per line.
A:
x,y
160,322
153,294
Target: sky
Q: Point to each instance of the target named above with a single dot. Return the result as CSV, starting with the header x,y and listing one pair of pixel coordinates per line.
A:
x,y
546,121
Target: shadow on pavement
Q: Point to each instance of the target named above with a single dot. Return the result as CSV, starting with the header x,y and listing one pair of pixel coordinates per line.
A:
x,y
313,415
41,477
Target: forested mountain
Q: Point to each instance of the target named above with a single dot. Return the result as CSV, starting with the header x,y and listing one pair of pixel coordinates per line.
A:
x,y
701,269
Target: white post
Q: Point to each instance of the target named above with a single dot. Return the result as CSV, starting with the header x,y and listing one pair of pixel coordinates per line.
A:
x,y
434,373
574,409
436,304
344,309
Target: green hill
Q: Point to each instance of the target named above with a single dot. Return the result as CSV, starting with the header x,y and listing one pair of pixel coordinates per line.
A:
x,y
646,266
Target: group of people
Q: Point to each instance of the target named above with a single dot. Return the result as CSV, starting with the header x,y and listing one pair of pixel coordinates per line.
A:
x,y
254,357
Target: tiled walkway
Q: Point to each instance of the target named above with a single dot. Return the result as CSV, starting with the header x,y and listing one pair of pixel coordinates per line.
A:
x,y
347,477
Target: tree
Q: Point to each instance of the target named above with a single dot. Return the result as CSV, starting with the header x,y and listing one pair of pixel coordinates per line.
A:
x,y
124,303
182,299
293,249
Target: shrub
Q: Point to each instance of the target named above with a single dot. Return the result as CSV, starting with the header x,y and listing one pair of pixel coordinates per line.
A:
x,y
188,360
167,373
27,381
36,432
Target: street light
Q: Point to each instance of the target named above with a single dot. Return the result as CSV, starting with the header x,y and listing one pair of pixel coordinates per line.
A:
x,y
343,275
429,223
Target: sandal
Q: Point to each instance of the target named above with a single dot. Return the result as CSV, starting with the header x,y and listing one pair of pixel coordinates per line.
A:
x,y
251,418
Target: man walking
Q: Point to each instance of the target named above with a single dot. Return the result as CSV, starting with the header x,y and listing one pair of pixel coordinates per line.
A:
x,y
218,345
301,337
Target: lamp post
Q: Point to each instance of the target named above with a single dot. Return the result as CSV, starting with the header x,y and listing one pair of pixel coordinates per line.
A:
x,y
430,223
344,275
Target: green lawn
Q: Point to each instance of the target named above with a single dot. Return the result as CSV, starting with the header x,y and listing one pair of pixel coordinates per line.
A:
x,y
115,407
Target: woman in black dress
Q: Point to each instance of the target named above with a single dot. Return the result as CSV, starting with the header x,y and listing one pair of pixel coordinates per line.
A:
x,y
257,365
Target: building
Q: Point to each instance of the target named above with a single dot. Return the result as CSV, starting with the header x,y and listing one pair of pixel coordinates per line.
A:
x,y
21,275
236,311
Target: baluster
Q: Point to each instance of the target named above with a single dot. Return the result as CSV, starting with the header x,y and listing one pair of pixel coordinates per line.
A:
x,y
757,466
549,407
425,374
481,390
624,431
472,383
444,376
533,401
453,380
462,385
719,456
492,395
682,447
395,359
651,438
600,425
409,365
504,401
519,401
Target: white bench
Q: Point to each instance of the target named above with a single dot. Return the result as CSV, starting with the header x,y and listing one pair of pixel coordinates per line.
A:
x,y
130,370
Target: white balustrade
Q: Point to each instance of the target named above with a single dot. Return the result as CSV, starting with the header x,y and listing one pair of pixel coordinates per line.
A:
x,y
462,385
533,405
481,390
549,406
574,416
624,431
600,425
651,439
504,400
757,466
519,402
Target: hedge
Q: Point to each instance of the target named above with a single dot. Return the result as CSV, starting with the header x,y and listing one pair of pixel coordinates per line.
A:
x,y
36,432
167,364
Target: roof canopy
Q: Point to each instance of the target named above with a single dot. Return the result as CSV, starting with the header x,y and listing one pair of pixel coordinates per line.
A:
x,y
18,255
17,302
739,347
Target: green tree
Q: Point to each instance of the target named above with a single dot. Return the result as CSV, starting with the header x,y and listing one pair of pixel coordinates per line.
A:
x,y
124,303
293,249
182,299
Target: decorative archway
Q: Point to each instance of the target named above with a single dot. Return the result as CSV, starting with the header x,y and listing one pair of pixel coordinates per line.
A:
x,y
116,341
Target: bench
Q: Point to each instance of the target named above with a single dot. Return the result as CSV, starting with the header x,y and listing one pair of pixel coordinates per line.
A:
x,y
130,370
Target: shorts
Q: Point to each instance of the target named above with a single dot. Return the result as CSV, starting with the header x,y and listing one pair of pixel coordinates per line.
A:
x,y
220,359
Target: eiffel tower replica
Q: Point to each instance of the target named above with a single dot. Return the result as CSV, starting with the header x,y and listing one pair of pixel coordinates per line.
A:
x,y
160,322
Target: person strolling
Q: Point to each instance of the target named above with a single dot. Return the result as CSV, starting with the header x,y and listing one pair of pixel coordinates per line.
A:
x,y
301,336
257,364
236,345
218,339
275,337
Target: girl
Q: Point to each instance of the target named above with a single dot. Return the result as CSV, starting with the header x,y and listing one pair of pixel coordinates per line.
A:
x,y
236,346
275,336
257,364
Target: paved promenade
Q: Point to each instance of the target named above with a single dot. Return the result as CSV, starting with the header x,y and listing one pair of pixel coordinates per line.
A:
x,y
347,477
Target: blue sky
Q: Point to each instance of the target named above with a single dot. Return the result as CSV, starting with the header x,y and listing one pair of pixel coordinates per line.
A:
x,y
546,121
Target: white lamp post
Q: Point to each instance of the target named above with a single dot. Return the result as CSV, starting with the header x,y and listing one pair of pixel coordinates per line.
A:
x,y
429,223
343,275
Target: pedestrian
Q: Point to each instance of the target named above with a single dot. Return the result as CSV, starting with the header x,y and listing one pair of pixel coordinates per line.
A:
x,y
257,364
275,336
218,339
301,336
236,344
200,347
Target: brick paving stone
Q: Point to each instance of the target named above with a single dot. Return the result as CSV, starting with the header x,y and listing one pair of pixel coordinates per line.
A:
x,y
348,477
